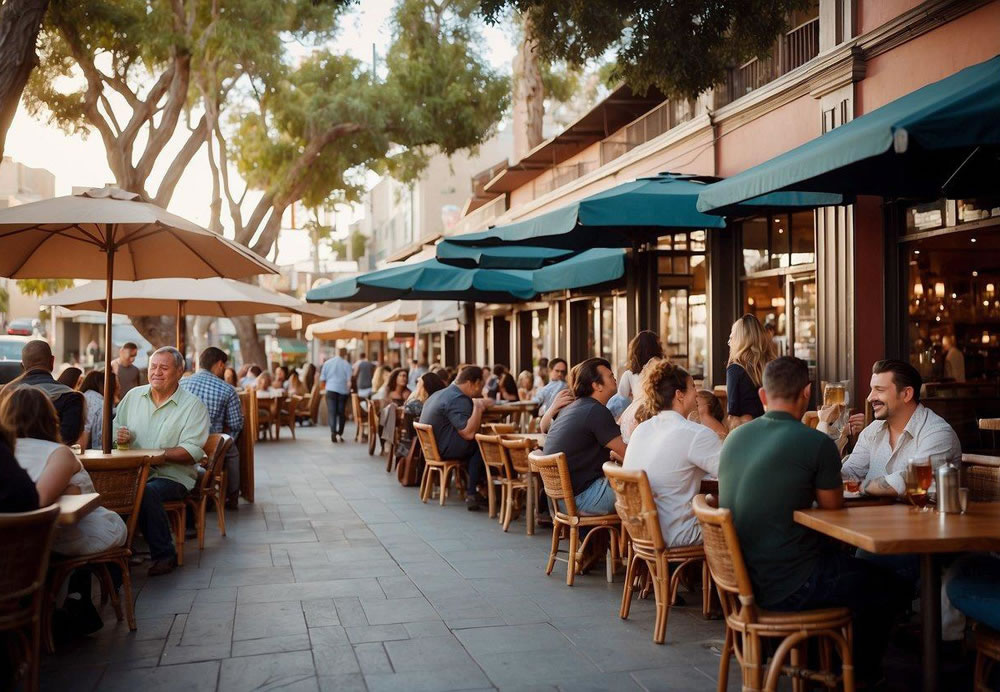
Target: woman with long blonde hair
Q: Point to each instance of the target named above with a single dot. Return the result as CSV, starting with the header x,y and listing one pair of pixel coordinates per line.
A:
x,y
750,349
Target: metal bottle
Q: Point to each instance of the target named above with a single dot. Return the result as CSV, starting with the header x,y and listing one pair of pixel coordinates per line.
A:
x,y
947,481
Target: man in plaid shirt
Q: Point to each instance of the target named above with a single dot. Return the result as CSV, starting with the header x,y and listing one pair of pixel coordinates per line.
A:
x,y
224,411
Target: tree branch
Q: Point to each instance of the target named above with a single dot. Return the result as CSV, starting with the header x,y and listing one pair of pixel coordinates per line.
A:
x,y
180,162
20,21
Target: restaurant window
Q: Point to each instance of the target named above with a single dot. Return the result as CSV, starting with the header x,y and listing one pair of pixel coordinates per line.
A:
x,y
488,341
951,275
779,281
539,336
683,284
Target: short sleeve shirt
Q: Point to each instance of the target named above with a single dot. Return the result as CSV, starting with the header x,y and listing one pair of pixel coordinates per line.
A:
x,y
336,373
365,370
741,393
581,431
448,411
769,468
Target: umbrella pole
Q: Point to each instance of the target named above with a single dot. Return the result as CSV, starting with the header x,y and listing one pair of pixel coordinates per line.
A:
x,y
108,297
181,328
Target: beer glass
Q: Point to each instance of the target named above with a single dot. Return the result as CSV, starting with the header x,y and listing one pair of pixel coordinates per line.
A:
x,y
918,478
835,394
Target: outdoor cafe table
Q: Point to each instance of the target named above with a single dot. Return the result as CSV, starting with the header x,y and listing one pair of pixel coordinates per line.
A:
x,y
73,508
155,455
531,480
272,399
897,529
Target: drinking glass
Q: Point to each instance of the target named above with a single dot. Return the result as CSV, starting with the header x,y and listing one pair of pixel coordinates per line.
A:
x,y
835,394
918,478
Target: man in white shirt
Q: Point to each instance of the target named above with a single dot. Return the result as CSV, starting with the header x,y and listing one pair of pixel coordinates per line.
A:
x,y
545,396
903,428
335,379
954,359
675,453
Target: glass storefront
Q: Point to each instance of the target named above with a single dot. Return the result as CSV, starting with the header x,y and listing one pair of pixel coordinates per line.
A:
x,y
683,270
779,280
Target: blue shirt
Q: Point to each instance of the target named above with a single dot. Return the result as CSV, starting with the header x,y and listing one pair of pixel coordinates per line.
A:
x,y
221,400
336,373
547,394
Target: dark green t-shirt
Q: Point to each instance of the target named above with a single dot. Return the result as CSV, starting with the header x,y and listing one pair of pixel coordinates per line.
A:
x,y
769,468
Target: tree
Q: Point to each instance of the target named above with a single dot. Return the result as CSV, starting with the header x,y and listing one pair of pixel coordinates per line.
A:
x,y
683,47
20,22
43,287
305,133
529,91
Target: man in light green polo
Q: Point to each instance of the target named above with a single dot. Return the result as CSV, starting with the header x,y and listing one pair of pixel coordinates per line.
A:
x,y
162,415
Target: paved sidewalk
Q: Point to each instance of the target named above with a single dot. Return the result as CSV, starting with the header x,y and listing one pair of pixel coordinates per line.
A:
x,y
338,578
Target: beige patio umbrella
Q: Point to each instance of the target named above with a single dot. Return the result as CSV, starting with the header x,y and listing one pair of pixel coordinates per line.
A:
x,y
215,297
108,233
369,322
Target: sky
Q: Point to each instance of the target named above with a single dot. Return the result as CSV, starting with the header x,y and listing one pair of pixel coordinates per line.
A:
x,y
76,160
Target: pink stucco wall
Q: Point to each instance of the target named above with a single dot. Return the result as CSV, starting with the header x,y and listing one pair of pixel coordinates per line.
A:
x,y
872,14
769,135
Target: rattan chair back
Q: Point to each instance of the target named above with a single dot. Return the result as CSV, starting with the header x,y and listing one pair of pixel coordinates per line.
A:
x,y
216,447
983,482
554,472
121,484
517,449
428,443
493,454
26,542
724,556
315,397
356,408
502,428
637,509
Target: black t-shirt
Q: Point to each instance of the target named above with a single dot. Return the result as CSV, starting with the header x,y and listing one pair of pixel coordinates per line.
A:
x,y
741,393
448,411
17,492
581,431
365,370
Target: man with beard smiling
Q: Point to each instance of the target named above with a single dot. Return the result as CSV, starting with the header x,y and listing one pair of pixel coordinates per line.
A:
x,y
903,428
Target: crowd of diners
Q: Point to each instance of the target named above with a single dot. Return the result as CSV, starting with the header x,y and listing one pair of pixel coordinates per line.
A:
x,y
653,417
768,461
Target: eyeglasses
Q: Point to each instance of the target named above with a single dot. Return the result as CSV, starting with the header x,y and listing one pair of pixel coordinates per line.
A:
x,y
559,372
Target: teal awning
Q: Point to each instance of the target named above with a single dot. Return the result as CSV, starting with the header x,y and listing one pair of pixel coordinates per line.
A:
x,y
636,211
941,139
431,280
499,257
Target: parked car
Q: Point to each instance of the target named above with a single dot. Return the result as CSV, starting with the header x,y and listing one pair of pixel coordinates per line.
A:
x,y
23,326
10,356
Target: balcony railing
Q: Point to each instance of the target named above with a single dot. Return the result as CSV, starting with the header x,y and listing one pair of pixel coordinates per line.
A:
x,y
480,219
664,117
561,175
794,49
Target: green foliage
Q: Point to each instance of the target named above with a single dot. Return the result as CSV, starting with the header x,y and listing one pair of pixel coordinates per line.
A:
x,y
682,46
43,287
358,242
4,300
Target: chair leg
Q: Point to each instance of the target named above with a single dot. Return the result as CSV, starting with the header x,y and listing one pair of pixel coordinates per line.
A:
x,y
508,510
556,531
423,483
574,542
34,657
180,535
108,587
706,590
727,653
491,494
202,508
127,594
445,475
627,591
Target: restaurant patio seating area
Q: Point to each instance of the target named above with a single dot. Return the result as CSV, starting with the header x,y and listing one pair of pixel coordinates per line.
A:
x,y
338,578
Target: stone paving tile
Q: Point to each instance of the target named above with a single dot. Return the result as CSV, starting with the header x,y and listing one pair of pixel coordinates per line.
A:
x,y
337,578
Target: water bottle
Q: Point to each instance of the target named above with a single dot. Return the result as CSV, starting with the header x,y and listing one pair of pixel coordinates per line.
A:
x,y
946,478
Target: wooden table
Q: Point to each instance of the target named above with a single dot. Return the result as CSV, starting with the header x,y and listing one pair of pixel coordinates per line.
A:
x,y
898,530
531,480
273,398
155,455
73,508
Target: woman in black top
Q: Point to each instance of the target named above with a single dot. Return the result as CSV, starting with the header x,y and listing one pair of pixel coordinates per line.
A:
x,y
750,349
17,491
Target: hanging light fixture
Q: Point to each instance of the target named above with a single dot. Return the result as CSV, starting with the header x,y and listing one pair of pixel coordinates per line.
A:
x,y
939,289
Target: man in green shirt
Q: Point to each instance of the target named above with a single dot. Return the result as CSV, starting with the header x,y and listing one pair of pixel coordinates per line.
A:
x,y
162,415
775,465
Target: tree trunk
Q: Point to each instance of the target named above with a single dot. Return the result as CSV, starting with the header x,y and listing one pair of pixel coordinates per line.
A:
x,y
251,347
529,95
159,331
20,22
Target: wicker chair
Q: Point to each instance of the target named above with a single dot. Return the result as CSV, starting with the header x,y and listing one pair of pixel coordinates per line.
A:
x,y
983,482
209,484
360,424
315,399
288,409
518,450
374,409
987,656
637,510
434,465
265,417
991,426
397,436
502,429
26,543
554,470
121,484
747,625
499,474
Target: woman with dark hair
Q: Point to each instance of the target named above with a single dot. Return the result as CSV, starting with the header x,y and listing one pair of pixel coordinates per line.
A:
x,y
17,490
92,389
507,390
309,377
641,348
70,377
231,378
395,391
280,377
675,453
